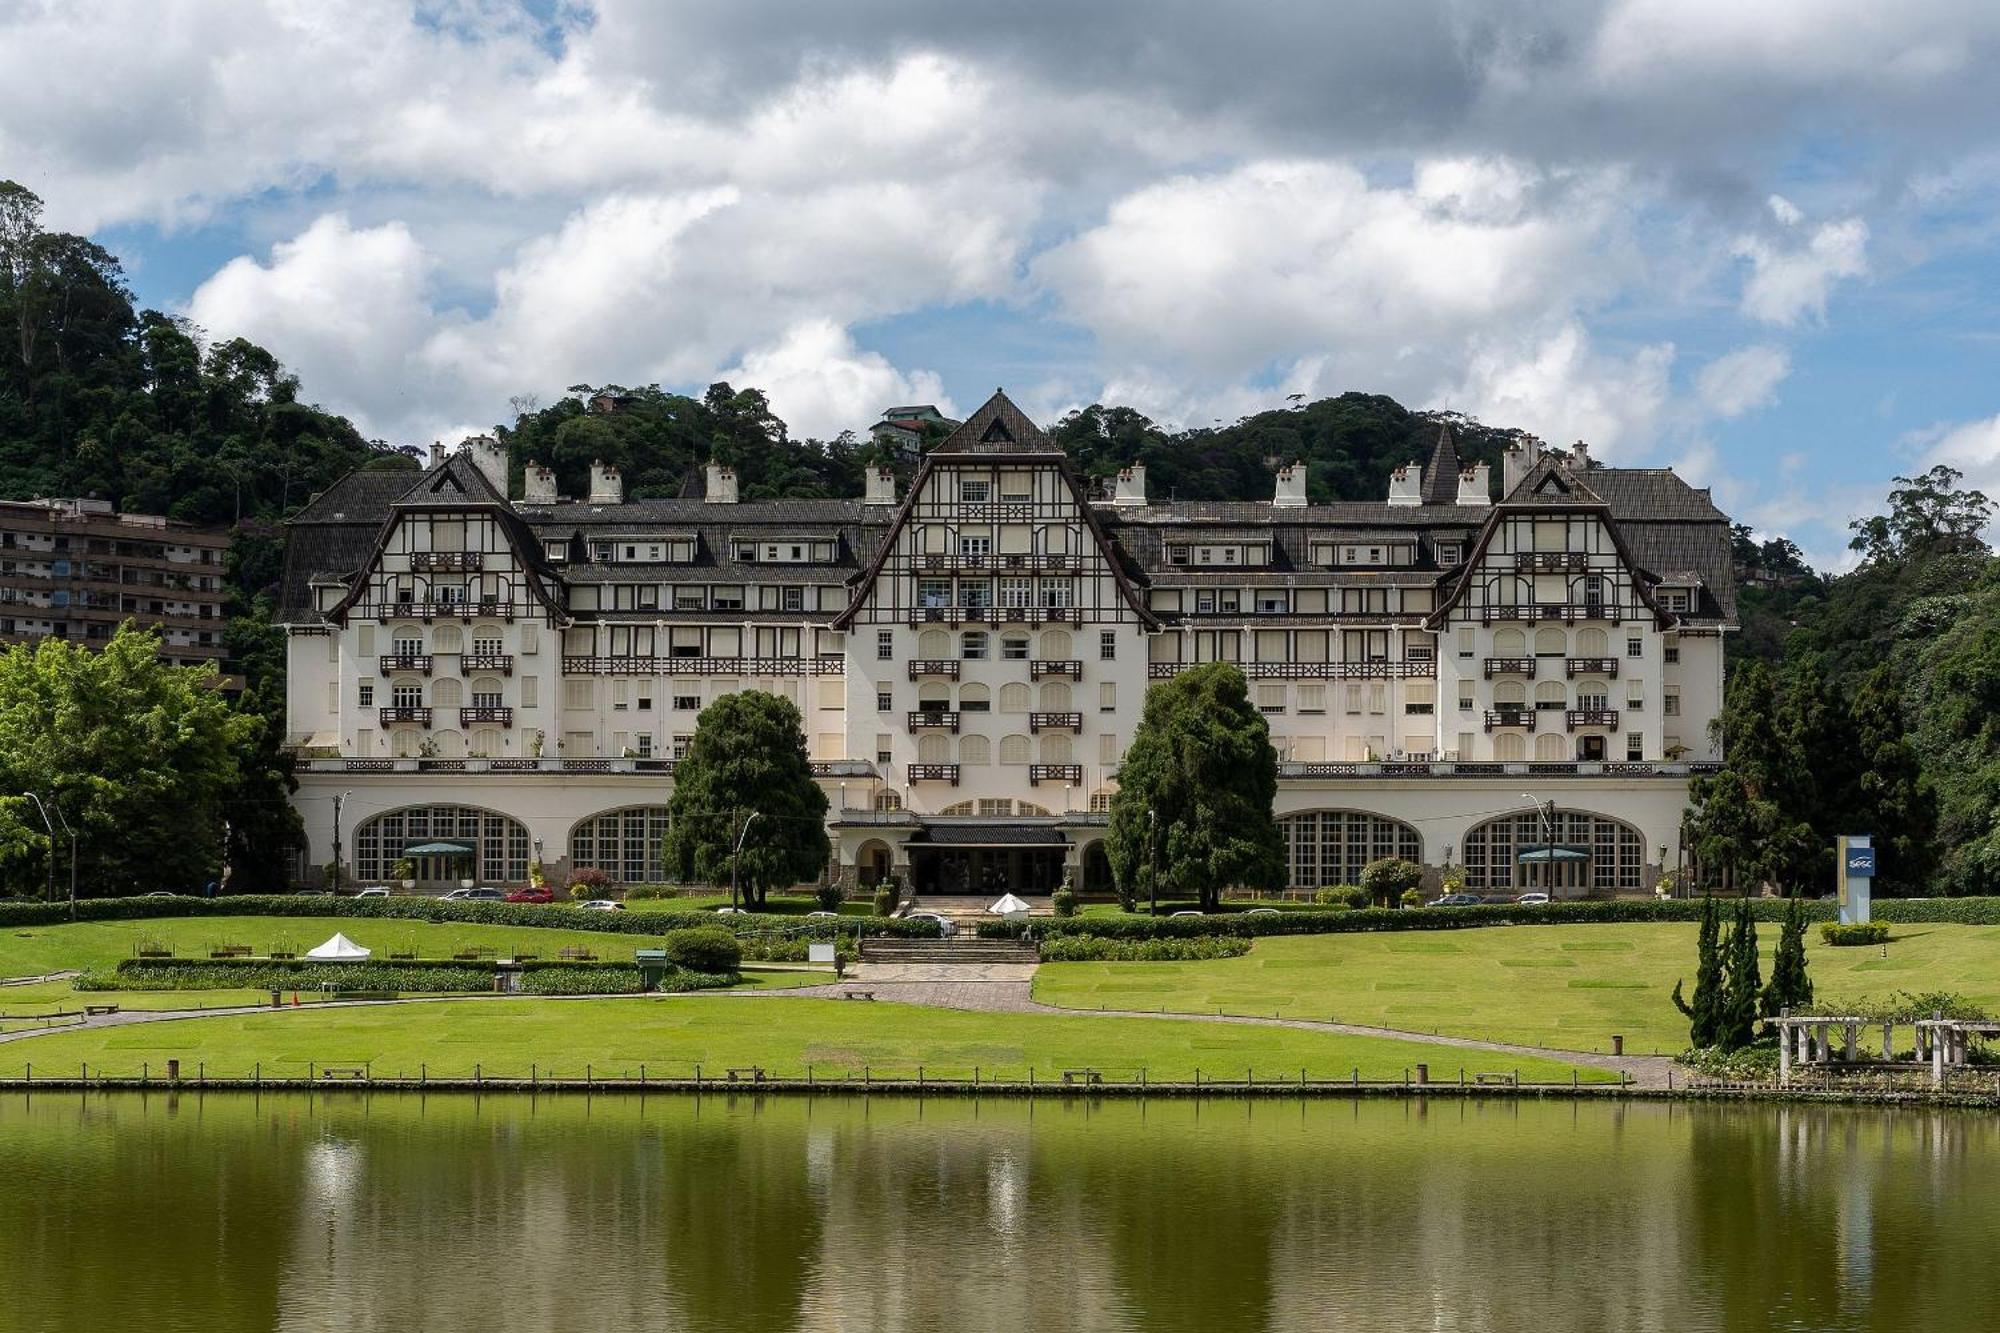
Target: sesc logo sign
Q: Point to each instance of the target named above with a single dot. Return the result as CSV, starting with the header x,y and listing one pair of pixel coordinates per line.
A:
x,y
1861,862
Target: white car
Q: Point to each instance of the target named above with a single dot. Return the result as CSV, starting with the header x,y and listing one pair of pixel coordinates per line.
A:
x,y
1262,911
376,892
814,914
946,926
1187,911
602,905
1533,900
729,911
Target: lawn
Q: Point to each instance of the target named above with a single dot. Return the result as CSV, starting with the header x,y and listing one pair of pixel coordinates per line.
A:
x,y
1566,987
670,1035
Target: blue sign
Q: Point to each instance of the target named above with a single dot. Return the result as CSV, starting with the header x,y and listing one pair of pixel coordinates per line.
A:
x,y
1861,862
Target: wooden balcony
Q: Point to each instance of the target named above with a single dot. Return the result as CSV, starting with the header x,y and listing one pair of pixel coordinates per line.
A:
x,y
933,720
485,609
487,715
1013,563
1567,613
1071,774
704,666
1510,666
1591,717
1550,562
934,773
404,714
1070,722
1590,666
934,666
1510,717
448,561
1040,669
500,662
1378,669
994,615
406,662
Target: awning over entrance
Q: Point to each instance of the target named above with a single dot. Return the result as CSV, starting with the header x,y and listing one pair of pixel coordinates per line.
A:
x,y
987,835
438,849
1545,854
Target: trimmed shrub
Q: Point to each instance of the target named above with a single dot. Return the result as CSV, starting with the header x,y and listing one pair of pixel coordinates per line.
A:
x,y
1746,1064
886,898
1388,878
650,892
1063,900
792,949
1341,895
1096,949
589,882
704,949
1411,898
829,897
1858,933
587,980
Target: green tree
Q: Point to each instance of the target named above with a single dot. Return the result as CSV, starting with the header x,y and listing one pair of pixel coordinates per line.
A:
x,y
1789,987
1748,820
1388,878
747,758
141,757
1742,985
1894,797
1705,1012
1928,515
1193,807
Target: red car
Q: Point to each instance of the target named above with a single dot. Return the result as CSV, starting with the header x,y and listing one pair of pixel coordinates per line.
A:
x,y
531,896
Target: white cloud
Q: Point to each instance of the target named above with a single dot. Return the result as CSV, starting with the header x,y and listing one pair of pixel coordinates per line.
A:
x,y
820,383
1790,283
1973,447
1742,380
1563,389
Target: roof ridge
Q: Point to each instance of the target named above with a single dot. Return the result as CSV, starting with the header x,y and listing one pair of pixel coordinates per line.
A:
x,y
997,427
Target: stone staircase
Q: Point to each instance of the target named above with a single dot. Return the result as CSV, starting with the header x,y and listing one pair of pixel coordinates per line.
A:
x,y
959,949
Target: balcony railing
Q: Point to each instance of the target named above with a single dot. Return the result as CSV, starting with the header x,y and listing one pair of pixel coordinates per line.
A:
x,y
1591,717
934,666
933,720
934,773
462,561
1072,722
406,662
1591,666
1041,668
1510,666
1566,612
500,662
1069,773
1550,562
485,608
704,666
993,615
404,713
1510,717
1373,670
1024,563
488,714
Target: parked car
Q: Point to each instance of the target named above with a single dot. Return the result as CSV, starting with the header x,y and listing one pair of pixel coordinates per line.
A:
x,y
1262,911
602,905
946,926
532,896
159,894
730,911
1455,900
1187,911
1532,899
475,896
374,891
822,913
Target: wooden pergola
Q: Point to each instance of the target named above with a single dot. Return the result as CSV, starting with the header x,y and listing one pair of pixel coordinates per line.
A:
x,y
1833,1042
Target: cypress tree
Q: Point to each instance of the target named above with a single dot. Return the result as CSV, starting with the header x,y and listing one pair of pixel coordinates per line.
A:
x,y
1737,1025
1790,986
1704,1015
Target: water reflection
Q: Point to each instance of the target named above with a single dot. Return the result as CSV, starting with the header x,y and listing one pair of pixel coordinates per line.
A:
x,y
394,1213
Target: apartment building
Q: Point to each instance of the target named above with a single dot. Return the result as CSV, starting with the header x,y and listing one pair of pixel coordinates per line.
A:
x,y
1515,679
77,569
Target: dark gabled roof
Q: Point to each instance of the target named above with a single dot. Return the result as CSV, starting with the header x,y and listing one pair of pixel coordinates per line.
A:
x,y
1263,514
698,513
333,535
1552,481
1441,474
998,427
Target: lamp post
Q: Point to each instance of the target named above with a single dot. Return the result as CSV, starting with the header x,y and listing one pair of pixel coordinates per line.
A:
x,y
72,858
51,894
340,799
1548,822
1152,861
737,855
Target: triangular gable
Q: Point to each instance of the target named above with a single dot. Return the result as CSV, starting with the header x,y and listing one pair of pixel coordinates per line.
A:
x,y
998,427
1441,474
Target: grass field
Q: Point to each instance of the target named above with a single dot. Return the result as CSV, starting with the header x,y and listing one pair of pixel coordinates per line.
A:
x,y
1568,987
671,1035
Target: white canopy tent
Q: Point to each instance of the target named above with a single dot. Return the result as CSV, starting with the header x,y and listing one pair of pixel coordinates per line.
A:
x,y
339,949
1009,907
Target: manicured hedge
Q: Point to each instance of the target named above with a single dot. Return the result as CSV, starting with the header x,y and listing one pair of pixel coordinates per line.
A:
x,y
708,949
1859,933
388,974
436,910
1099,949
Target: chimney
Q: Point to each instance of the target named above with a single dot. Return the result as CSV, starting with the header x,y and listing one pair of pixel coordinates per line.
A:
x,y
539,485
437,453
1475,487
1291,487
1520,460
881,486
1130,487
1580,455
490,457
1406,485
606,486
721,488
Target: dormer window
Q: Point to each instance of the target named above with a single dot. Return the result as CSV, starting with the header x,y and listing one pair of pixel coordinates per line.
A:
x,y
1177,555
1450,553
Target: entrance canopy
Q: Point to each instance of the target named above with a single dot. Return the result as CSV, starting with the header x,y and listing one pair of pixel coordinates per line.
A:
x,y
988,835
1546,854
438,849
339,949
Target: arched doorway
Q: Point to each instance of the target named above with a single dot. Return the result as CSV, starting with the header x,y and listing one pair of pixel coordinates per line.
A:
x,y
873,862
1568,854
444,843
1096,869
1324,847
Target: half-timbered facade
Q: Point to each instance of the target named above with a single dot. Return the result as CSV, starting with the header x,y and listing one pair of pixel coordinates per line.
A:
x,y
517,676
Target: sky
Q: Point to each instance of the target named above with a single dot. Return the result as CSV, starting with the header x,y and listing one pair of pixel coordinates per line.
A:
x,y
1758,243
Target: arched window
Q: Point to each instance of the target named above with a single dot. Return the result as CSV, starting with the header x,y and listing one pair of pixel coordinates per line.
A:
x,y
448,639
1331,846
933,748
975,750
1551,747
627,844
1028,809
1550,642
405,743
1509,643
1550,696
486,692
1055,696
1617,856
1014,697
487,742
449,744
975,698
446,693
888,799
958,808
1056,747
933,645
1510,747
499,845
1592,642
1100,800
934,693
972,645
1509,694
1013,749
1056,645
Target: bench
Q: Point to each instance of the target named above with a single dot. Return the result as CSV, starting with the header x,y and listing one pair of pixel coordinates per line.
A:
x,y
154,951
526,957
99,1010
1082,1076
402,955
857,995
285,954
575,955
1506,1080
230,951
350,1073
472,955
747,1074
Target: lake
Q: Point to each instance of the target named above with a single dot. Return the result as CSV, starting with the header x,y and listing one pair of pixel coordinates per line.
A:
x,y
352,1212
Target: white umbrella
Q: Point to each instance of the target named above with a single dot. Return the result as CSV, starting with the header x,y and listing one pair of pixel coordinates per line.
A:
x,y
339,949
1009,906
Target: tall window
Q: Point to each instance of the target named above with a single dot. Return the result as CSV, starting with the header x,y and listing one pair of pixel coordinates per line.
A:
x,y
499,844
1107,645
1493,849
972,646
1325,847
885,645
625,844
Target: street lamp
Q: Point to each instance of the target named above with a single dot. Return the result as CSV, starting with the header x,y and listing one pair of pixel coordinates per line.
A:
x,y
340,799
1547,818
737,855
1152,861
47,824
